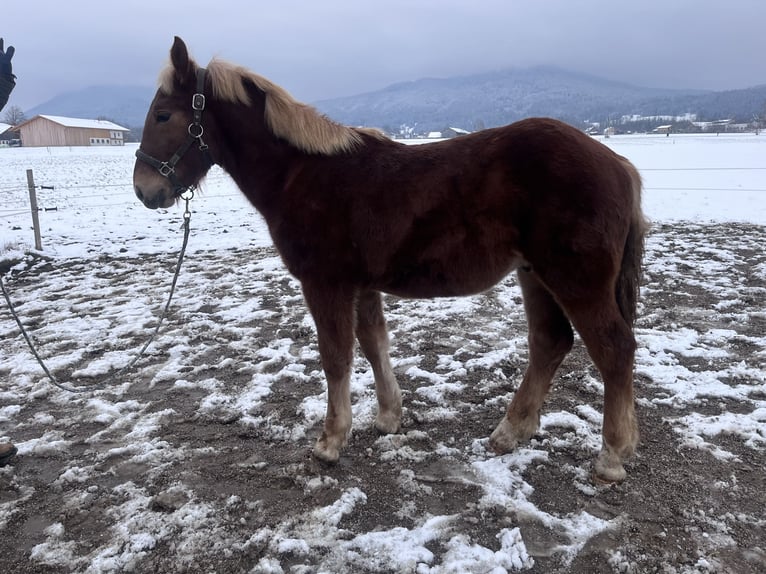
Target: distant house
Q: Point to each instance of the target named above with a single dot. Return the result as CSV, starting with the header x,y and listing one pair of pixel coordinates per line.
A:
x,y
715,125
454,132
7,136
448,133
44,131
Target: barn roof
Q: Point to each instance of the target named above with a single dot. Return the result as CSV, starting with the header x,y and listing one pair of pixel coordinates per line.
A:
x,y
4,127
80,123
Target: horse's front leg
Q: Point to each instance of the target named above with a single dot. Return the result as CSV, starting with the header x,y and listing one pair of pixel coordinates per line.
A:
x,y
333,310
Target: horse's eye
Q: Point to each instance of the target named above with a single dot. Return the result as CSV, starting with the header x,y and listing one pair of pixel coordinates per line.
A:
x,y
162,117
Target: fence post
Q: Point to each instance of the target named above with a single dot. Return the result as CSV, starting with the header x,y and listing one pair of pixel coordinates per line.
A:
x,y
35,218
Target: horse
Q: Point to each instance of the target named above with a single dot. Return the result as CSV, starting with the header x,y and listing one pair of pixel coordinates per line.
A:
x,y
354,214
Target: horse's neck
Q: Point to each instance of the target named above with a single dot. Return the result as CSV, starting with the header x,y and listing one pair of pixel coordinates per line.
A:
x,y
257,161
239,142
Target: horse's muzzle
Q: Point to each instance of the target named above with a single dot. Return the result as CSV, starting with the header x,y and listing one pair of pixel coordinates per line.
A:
x,y
161,199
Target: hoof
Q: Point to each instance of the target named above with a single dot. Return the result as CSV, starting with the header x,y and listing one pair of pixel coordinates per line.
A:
x,y
326,455
608,468
327,450
503,439
388,423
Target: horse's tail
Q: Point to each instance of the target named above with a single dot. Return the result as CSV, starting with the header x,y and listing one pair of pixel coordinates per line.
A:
x,y
629,278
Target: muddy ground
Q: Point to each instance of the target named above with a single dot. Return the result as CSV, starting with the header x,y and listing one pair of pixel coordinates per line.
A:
x,y
682,509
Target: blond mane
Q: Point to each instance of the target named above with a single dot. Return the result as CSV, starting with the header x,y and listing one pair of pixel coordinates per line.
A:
x,y
299,124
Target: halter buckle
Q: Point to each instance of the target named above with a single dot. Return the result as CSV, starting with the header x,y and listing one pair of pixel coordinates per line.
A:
x,y
166,169
198,102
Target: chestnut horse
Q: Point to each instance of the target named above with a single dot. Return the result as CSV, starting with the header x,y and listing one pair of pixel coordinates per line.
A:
x,y
353,214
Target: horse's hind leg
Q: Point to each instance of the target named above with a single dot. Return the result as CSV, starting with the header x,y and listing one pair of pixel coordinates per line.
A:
x,y
333,312
612,345
373,339
550,339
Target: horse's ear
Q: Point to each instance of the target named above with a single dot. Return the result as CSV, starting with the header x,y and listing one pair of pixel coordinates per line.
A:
x,y
183,65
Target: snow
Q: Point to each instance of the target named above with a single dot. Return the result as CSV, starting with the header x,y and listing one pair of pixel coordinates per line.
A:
x,y
92,212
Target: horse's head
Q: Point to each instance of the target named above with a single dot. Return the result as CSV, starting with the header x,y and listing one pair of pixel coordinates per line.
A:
x,y
173,156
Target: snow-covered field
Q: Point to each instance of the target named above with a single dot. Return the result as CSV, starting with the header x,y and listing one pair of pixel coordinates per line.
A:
x,y
198,461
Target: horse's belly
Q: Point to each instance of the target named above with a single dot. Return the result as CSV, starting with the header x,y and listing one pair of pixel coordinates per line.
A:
x,y
467,276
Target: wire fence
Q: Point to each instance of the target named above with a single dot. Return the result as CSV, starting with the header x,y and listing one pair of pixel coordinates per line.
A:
x,y
15,200
72,198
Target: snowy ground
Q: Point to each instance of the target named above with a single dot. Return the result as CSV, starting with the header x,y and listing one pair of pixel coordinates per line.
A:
x,y
198,461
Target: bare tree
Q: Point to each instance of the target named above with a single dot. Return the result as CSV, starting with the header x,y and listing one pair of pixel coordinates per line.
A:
x,y
14,115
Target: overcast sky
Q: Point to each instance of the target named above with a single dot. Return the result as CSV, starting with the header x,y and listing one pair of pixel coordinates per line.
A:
x,y
320,49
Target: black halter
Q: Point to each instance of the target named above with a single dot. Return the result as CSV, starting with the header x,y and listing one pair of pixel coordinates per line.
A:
x,y
168,168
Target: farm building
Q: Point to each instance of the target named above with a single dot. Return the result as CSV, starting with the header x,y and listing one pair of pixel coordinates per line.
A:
x,y
448,133
7,136
43,131
454,132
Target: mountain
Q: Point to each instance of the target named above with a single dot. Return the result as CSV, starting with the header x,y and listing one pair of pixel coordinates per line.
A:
x,y
498,98
469,102
124,105
489,99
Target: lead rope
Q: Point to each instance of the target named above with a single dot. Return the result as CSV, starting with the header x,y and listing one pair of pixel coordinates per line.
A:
x,y
187,197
